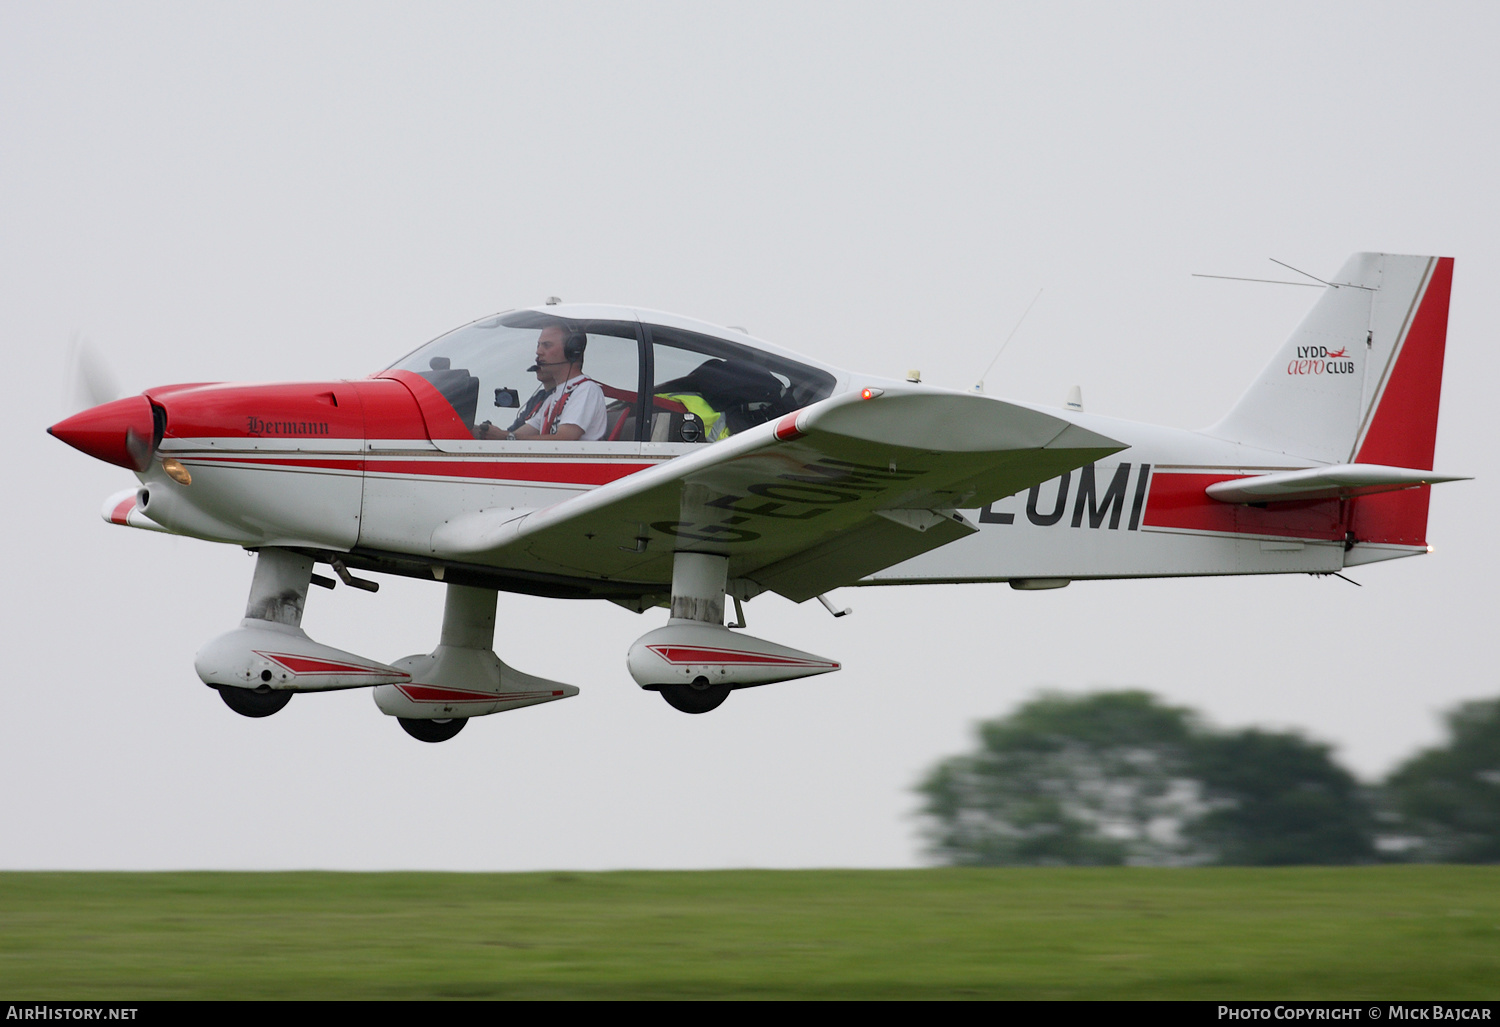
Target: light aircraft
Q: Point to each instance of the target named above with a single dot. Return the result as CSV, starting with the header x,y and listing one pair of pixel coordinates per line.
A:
x,y
726,467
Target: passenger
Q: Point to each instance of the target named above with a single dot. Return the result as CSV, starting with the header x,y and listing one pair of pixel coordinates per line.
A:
x,y
573,409
715,425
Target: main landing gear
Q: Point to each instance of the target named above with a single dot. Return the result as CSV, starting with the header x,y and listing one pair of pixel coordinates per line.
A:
x,y
698,696
259,702
462,678
257,666
432,730
695,661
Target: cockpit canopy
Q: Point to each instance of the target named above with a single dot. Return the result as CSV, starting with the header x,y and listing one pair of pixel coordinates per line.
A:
x,y
661,383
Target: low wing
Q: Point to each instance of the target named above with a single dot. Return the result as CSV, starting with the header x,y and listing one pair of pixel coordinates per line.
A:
x,y
819,499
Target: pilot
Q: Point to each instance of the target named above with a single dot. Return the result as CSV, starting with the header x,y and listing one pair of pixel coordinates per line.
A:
x,y
573,409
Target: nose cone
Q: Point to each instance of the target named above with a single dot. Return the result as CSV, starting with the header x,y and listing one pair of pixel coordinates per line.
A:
x,y
122,432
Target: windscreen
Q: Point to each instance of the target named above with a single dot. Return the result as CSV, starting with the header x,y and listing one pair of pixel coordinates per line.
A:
x,y
487,369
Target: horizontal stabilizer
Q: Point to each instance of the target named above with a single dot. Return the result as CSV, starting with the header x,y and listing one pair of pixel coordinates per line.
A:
x,y
1341,481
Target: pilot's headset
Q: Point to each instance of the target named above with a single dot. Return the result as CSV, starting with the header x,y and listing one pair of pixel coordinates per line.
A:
x,y
574,343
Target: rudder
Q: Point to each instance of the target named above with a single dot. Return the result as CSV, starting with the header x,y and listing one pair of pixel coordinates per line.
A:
x,y
1401,427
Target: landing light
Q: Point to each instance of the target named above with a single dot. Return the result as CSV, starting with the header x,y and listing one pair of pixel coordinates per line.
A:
x,y
176,471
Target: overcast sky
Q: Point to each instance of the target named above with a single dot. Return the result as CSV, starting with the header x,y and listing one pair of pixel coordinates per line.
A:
x,y
268,191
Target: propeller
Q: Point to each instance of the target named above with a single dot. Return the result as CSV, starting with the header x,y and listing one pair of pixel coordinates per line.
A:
x,y
90,382
117,431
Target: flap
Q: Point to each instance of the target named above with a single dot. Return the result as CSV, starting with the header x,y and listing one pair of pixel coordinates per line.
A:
x,y
823,497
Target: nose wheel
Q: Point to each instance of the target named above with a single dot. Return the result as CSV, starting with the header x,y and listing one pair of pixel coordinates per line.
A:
x,y
698,697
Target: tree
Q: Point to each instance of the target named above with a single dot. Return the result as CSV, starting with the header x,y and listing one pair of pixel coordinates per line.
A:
x,y
1120,778
1085,781
1276,799
1446,800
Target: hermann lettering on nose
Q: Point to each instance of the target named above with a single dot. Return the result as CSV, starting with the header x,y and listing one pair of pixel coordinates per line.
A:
x,y
260,426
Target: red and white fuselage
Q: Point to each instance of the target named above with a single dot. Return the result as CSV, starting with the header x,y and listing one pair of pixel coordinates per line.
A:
x,y
792,476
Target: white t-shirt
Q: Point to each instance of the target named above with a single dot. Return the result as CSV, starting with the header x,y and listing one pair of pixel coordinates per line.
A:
x,y
577,401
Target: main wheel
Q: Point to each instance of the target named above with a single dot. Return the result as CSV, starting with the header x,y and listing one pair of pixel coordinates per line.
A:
x,y
252,702
698,697
432,730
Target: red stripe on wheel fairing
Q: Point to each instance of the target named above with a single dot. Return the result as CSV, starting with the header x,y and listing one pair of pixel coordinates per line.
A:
x,y
682,654
434,693
310,665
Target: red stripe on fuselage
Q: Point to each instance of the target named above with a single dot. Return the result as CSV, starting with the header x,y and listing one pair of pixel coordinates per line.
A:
x,y
560,473
280,461
1179,501
550,472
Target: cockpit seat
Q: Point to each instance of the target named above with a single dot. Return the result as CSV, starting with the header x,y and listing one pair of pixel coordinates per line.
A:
x,y
621,413
746,395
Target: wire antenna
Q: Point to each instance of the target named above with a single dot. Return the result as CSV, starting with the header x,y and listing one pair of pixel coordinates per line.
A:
x,y
979,385
1298,270
1267,281
1277,281
1335,285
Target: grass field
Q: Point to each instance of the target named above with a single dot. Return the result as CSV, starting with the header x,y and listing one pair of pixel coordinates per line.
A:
x,y
1367,932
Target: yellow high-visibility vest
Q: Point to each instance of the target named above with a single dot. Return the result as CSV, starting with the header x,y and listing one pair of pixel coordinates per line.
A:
x,y
714,425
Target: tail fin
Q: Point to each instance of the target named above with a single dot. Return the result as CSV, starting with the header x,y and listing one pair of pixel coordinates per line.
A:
x,y
1358,382
1361,371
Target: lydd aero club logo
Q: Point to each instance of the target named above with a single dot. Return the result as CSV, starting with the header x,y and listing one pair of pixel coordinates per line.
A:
x,y
1318,360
